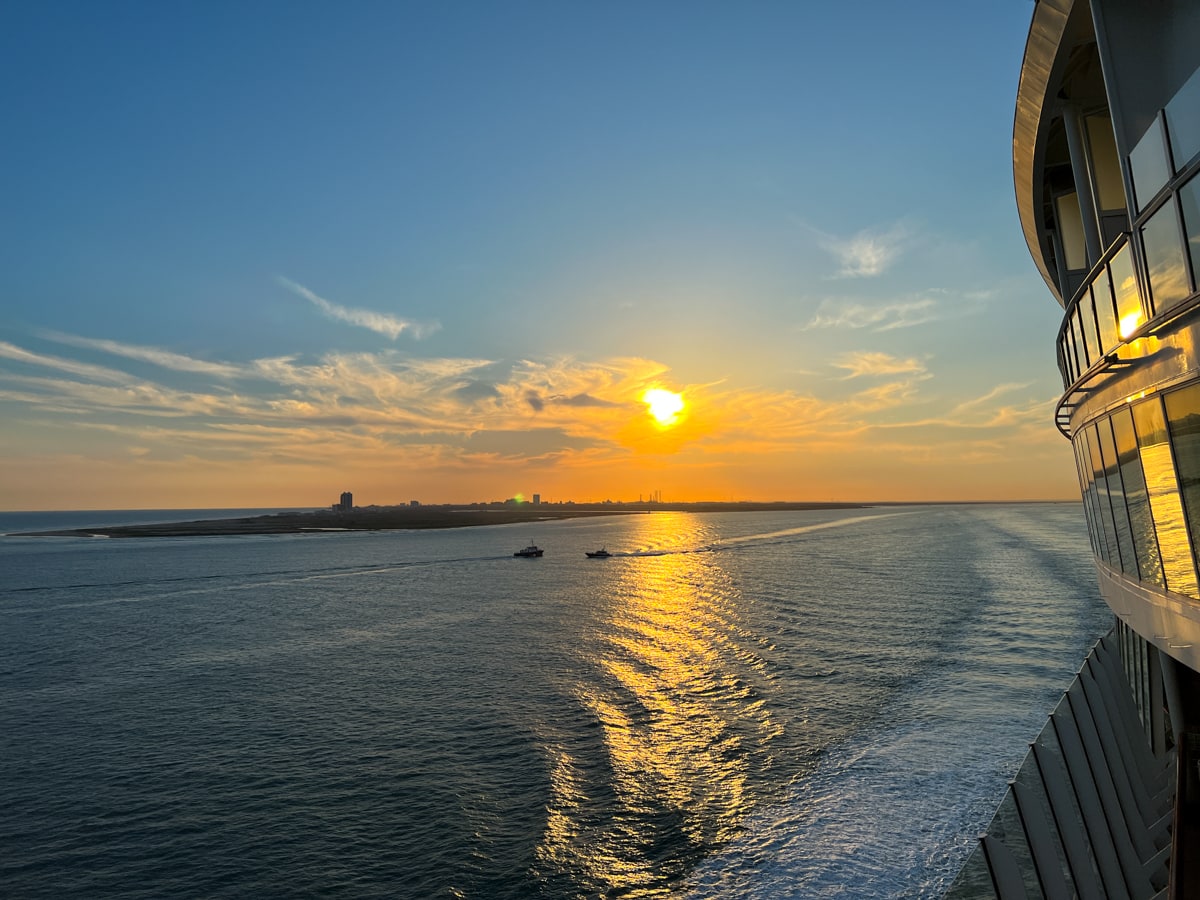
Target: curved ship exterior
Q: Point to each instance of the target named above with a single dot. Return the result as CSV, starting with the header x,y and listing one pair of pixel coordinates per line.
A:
x,y
1106,165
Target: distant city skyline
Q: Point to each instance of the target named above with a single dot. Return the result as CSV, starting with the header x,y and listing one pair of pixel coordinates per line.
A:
x,y
254,254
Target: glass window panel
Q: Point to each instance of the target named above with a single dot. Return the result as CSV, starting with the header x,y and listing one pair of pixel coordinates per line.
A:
x,y
1106,164
1130,315
1145,544
1087,314
1189,199
1183,422
1164,259
1148,165
1108,528
1085,490
1081,354
1071,342
1072,355
1070,229
1165,503
1106,319
1116,495
1183,121
1093,497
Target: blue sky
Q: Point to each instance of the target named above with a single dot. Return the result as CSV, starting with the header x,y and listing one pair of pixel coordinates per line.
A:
x,y
259,253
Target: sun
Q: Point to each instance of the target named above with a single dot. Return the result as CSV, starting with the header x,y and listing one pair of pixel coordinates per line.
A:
x,y
665,406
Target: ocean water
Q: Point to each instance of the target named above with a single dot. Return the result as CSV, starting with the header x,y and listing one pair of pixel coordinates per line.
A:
x,y
792,704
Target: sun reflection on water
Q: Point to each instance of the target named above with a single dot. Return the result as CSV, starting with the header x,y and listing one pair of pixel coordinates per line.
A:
x,y
674,692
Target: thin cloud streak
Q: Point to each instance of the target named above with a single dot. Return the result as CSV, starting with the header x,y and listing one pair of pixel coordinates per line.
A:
x,y
998,391
834,313
866,362
58,364
381,323
164,358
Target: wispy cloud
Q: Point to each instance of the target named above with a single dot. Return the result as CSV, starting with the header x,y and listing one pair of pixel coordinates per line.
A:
x,y
868,253
465,419
890,395
866,362
59,364
381,323
978,402
834,313
165,358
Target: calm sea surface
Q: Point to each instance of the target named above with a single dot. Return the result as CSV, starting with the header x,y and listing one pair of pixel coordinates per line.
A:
x,y
800,704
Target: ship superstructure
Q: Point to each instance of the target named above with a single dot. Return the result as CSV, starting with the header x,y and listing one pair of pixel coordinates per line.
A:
x,y
1106,156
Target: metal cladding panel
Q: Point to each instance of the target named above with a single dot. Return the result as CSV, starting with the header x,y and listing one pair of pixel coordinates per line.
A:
x,y
1168,621
1033,112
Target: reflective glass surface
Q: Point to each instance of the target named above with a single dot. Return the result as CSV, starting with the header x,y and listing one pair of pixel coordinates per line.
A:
x,y
1087,315
1130,314
1164,259
1136,502
1081,349
1088,489
1189,200
1148,164
1108,531
1183,121
1105,317
1110,188
1116,494
1163,492
1070,230
1183,420
1074,356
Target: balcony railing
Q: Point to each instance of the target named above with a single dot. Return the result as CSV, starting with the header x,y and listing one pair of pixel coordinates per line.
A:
x,y
1145,280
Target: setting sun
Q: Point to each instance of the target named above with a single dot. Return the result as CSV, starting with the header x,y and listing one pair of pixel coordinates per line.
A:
x,y
665,406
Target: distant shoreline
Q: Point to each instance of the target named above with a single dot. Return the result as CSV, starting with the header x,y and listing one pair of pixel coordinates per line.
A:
x,y
393,518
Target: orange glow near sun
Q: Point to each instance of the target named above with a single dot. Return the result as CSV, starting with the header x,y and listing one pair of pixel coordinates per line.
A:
x,y
665,406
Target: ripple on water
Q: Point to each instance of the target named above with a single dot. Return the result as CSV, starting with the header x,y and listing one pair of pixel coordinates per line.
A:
x,y
806,704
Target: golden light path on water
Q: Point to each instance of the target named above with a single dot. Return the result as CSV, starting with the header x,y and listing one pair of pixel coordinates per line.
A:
x,y
677,697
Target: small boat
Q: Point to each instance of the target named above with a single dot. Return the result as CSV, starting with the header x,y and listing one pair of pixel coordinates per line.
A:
x,y
530,551
599,554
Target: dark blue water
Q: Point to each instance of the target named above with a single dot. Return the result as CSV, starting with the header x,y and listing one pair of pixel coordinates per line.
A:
x,y
749,704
